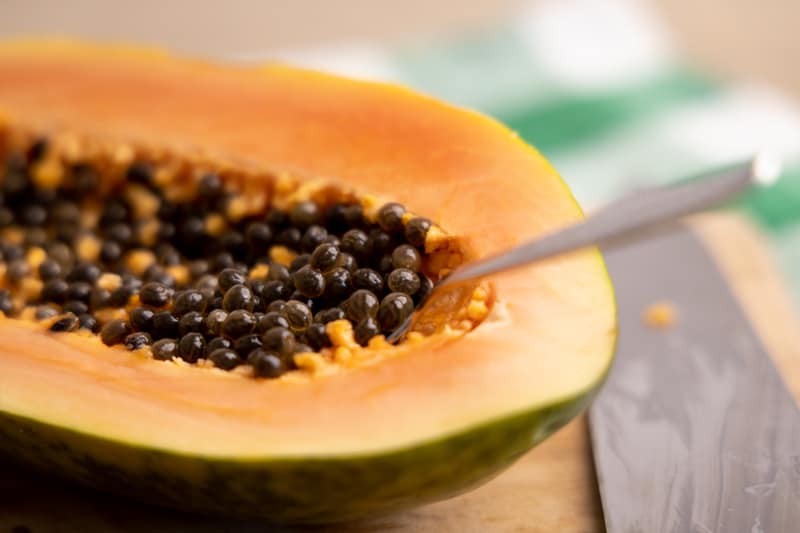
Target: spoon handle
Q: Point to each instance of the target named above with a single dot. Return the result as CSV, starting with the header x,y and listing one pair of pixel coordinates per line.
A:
x,y
626,216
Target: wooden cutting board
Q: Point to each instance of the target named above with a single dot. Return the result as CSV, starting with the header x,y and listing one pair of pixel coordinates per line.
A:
x,y
552,488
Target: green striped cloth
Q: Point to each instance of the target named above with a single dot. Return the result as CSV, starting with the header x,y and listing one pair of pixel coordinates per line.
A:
x,y
597,87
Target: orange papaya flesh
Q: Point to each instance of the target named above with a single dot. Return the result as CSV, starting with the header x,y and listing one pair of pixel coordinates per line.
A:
x,y
437,417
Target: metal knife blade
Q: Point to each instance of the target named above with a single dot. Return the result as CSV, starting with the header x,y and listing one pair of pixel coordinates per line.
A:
x,y
694,431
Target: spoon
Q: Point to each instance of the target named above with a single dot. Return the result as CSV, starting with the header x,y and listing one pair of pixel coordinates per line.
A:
x,y
626,217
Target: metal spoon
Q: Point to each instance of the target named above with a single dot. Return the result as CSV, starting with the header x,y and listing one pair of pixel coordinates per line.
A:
x,y
626,217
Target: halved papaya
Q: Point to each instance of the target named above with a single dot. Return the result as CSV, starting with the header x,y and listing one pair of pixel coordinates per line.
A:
x,y
395,428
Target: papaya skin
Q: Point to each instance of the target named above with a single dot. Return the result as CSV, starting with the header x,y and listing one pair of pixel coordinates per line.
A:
x,y
446,413
309,491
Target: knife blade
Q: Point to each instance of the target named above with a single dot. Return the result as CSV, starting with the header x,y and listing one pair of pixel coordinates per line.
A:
x,y
695,430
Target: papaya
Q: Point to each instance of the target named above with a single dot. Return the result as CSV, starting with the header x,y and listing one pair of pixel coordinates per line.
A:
x,y
200,264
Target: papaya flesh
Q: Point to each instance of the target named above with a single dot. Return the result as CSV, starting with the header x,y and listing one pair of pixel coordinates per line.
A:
x,y
436,418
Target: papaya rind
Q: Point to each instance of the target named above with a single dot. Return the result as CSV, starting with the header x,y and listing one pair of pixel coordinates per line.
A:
x,y
314,490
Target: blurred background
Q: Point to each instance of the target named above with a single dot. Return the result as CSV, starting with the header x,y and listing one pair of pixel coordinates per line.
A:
x,y
751,38
617,93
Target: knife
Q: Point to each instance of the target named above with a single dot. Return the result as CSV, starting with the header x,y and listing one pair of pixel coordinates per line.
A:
x,y
694,431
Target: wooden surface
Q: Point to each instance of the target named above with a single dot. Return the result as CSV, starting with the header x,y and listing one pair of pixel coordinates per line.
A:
x,y
552,488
